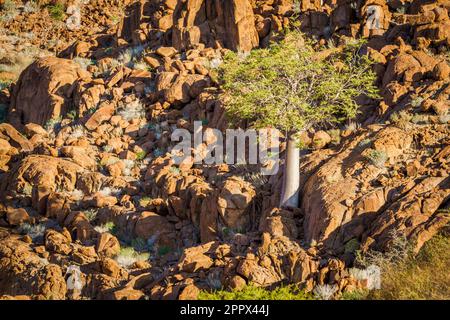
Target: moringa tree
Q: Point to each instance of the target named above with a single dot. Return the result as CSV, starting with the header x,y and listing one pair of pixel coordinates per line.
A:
x,y
292,87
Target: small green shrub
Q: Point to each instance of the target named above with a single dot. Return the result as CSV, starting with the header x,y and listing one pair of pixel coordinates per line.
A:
x,y
363,144
162,251
90,214
9,11
401,119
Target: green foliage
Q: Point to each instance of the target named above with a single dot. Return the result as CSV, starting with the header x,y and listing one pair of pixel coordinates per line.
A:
x,y
287,86
401,119
110,227
257,293
52,123
57,11
91,214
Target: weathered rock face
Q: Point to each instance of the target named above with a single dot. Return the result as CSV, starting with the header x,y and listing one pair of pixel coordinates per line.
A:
x,y
350,197
231,23
44,91
23,272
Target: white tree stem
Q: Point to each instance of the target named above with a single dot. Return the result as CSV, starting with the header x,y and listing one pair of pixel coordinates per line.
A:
x,y
291,175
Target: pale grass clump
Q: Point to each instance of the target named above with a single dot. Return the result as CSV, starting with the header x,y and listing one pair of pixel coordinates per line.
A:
x,y
133,110
20,63
352,126
90,214
444,118
107,148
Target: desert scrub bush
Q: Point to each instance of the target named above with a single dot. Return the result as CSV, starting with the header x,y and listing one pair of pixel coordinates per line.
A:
x,y
90,214
52,123
335,135
252,292
57,11
293,87
163,250
4,84
128,256
84,63
107,227
145,201
376,157
77,132
35,231
352,126
401,119
444,118
77,194
365,143
140,155
107,192
133,110
416,101
9,11
358,294
425,276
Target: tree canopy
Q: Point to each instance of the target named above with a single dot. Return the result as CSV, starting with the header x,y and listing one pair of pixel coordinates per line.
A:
x,y
291,86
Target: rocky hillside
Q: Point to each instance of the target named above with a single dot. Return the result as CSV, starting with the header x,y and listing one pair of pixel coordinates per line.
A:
x,y
93,207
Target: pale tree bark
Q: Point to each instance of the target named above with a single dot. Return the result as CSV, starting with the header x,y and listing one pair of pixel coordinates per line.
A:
x,y
291,175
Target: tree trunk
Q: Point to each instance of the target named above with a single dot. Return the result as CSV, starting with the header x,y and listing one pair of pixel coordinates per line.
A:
x,y
291,175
